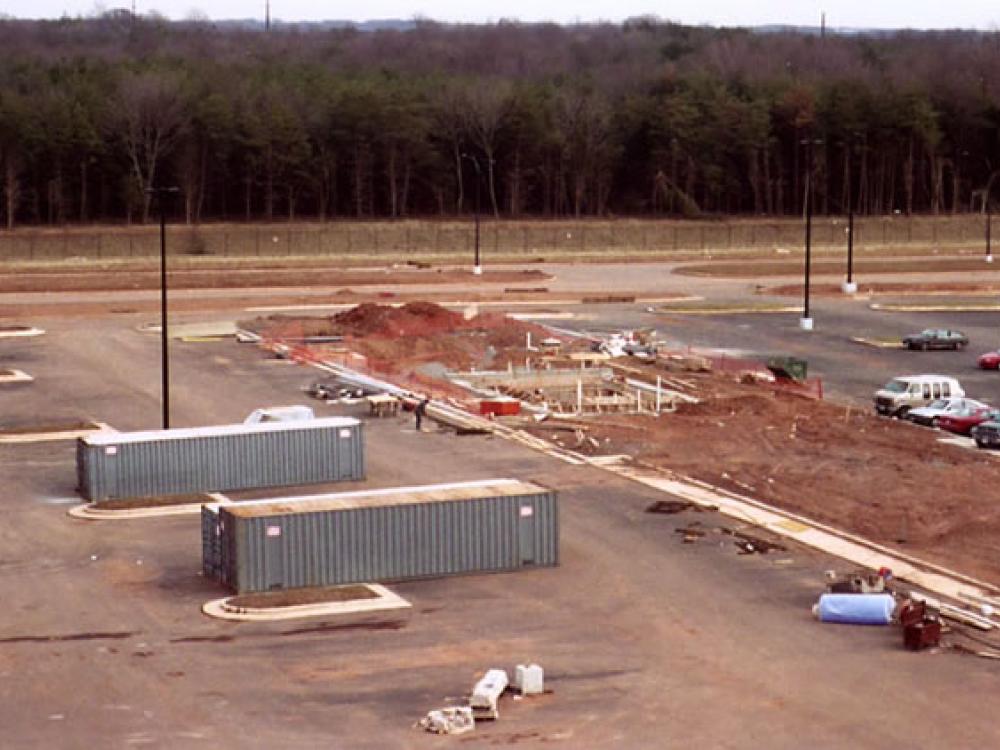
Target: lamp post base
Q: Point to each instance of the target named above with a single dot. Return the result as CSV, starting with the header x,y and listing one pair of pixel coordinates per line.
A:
x,y
806,324
477,270
849,287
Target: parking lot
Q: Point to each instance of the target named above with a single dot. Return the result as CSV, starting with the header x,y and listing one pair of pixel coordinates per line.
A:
x,y
644,639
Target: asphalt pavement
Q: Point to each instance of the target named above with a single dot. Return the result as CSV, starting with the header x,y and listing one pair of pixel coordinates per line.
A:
x,y
646,641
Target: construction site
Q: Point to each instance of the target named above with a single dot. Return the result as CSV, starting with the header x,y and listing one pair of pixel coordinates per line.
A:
x,y
547,515
727,421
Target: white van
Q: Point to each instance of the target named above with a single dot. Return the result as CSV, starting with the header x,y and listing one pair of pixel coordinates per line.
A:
x,y
280,414
901,394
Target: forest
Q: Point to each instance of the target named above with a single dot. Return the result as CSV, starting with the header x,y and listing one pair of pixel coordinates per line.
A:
x,y
645,118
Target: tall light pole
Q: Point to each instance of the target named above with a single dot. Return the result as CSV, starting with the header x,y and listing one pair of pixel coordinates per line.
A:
x,y
161,193
806,321
849,286
477,268
989,226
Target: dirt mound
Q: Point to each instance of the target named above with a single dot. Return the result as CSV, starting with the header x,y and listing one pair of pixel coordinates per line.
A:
x,y
412,319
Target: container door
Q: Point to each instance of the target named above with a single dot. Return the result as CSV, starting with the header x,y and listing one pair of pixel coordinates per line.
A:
x,y
526,534
274,556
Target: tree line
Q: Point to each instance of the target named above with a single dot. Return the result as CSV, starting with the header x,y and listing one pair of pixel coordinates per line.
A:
x,y
643,118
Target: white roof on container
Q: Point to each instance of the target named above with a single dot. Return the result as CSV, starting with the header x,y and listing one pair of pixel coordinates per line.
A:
x,y
430,493
121,438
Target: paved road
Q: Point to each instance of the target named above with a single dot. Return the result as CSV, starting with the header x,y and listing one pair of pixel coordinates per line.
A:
x,y
647,642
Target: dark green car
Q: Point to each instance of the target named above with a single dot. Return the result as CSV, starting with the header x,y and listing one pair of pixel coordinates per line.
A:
x,y
936,338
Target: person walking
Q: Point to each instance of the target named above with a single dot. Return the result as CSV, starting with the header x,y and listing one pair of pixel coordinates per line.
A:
x,y
420,411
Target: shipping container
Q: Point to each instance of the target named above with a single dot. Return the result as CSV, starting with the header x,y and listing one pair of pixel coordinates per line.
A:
x,y
380,535
227,457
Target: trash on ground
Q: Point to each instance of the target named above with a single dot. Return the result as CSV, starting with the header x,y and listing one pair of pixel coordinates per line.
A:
x,y
449,720
749,545
671,506
690,534
861,582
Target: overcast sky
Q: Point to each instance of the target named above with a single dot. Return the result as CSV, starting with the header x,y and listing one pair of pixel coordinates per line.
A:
x,y
920,14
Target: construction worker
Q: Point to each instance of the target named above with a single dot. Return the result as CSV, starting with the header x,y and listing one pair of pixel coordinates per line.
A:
x,y
420,411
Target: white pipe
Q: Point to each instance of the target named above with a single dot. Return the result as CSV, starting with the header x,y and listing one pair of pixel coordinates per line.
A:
x,y
659,393
579,396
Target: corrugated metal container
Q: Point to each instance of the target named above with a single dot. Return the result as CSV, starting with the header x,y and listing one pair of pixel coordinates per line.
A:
x,y
228,457
381,535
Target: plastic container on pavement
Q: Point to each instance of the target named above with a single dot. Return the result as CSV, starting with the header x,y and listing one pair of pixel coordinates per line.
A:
x,y
856,609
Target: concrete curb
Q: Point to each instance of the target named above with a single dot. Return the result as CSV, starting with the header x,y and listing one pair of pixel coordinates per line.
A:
x,y
384,601
88,512
15,376
41,437
32,331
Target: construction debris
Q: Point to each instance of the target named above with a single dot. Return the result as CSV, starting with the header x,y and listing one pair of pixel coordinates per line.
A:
x,y
860,582
671,506
486,694
749,545
449,720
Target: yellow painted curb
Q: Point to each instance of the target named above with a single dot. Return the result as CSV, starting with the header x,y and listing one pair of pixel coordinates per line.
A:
x,y
727,311
934,308
876,343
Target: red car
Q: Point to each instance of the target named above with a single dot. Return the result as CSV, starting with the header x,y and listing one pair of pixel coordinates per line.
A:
x,y
990,361
962,422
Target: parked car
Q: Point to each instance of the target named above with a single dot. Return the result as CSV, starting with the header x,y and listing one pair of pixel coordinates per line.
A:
x,y
987,434
936,338
961,423
897,397
990,360
929,415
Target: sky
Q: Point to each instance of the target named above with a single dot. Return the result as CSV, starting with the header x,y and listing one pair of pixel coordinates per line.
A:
x,y
881,14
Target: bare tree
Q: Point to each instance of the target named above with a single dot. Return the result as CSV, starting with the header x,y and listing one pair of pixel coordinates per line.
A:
x,y
150,116
487,106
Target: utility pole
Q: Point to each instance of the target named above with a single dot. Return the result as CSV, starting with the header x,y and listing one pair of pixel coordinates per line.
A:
x,y
267,15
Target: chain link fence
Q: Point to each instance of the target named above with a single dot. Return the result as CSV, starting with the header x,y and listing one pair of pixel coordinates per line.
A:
x,y
499,239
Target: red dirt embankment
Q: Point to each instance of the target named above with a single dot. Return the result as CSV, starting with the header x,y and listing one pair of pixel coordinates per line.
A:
x,y
892,482
397,341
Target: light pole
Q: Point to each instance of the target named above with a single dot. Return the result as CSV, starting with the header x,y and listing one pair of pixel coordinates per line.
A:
x,y
989,225
806,322
849,286
477,268
161,193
